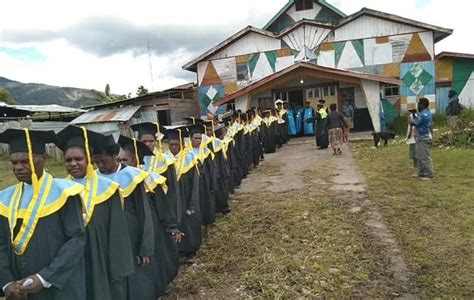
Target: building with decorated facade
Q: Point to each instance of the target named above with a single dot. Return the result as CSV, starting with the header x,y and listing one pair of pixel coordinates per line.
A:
x,y
310,50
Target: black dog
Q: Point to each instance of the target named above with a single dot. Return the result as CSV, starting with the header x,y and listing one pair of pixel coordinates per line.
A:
x,y
385,136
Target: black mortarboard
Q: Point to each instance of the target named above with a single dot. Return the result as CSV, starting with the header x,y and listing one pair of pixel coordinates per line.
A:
x,y
128,144
193,121
218,128
109,144
73,136
146,128
198,128
16,138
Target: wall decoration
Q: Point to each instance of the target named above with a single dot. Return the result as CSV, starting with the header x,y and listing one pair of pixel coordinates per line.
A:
x,y
208,95
211,77
416,50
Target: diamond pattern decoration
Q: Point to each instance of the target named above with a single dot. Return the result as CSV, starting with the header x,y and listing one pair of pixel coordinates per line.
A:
x,y
417,78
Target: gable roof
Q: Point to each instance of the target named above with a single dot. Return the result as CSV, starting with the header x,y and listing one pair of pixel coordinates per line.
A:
x,y
439,32
191,66
309,67
287,6
454,55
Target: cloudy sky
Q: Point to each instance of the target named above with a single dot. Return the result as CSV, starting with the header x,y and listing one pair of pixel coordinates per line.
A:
x,y
90,43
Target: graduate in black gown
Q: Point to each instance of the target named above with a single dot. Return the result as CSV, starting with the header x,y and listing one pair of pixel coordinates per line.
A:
x,y
165,227
322,139
254,136
140,285
108,252
222,172
160,162
163,163
188,183
44,259
270,132
205,163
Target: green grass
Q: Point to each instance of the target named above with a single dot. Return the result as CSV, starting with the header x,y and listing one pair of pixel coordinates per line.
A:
x,y
7,178
433,221
287,246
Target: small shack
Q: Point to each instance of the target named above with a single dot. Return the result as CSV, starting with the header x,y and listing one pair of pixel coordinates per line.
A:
x,y
168,107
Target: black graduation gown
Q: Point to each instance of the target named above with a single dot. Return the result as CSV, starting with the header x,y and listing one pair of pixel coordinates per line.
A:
x,y
230,182
256,147
55,251
222,176
166,250
285,135
173,195
190,225
249,149
108,253
270,137
322,139
239,155
207,200
140,285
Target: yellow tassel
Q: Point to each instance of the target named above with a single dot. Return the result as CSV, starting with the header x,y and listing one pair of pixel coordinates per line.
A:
x,y
34,177
135,150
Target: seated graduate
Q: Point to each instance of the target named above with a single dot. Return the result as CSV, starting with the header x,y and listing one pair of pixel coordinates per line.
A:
x,y
222,172
188,183
140,285
205,162
160,162
42,235
108,251
166,262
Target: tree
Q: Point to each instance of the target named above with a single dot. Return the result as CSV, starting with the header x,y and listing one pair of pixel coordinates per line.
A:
x,y
141,91
6,97
107,90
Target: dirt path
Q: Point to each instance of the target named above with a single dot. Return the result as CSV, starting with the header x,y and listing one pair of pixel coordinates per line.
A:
x,y
299,171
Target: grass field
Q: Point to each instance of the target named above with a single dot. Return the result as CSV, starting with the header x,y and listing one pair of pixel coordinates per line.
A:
x,y
432,221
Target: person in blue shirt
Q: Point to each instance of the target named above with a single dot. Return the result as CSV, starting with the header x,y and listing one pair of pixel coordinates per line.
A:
x,y
424,139
308,114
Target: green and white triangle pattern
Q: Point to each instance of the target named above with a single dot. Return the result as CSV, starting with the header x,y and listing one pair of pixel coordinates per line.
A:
x,y
349,58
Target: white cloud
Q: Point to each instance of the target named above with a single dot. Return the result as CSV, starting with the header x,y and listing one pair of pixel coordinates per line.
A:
x,y
67,65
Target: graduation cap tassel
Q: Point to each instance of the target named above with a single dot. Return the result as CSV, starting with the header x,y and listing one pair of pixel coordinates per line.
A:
x,y
90,168
135,151
34,177
157,135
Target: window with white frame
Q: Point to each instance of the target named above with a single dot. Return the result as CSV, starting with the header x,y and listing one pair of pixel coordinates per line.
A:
x,y
281,95
392,90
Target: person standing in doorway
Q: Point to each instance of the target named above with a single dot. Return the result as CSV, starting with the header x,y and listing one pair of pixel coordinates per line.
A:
x,y
348,113
424,139
308,114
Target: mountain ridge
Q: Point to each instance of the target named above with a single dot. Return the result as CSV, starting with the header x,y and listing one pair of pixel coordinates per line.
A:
x,y
41,94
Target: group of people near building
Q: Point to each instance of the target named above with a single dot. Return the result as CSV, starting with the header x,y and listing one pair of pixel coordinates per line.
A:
x,y
118,230
330,126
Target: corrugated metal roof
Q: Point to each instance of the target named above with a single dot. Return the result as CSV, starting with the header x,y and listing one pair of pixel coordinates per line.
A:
x,y
51,108
122,114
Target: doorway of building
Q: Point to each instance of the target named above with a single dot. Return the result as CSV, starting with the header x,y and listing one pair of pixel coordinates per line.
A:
x,y
296,97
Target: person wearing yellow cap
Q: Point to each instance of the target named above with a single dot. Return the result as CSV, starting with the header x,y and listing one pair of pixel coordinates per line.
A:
x,y
108,252
42,236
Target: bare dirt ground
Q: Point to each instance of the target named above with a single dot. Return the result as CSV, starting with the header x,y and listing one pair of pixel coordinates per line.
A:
x,y
324,198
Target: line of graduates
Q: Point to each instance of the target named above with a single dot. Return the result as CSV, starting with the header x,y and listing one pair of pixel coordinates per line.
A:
x,y
118,231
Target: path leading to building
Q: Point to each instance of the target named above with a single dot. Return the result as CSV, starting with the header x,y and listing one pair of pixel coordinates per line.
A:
x,y
302,225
